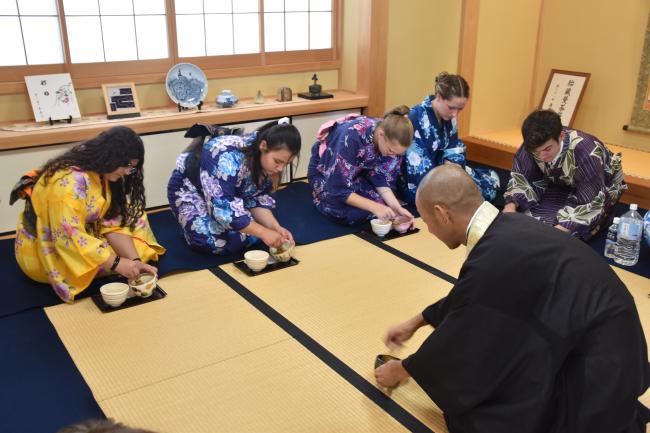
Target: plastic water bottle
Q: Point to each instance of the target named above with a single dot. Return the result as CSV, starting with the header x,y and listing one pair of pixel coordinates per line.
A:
x,y
612,237
630,228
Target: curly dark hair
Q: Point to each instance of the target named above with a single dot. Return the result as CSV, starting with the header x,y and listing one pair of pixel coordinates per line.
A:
x,y
103,154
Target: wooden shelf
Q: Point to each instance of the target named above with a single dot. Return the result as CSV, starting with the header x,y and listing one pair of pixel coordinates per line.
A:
x,y
245,112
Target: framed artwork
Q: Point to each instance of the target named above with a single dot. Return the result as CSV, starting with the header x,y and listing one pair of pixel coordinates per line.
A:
x,y
121,100
563,93
52,97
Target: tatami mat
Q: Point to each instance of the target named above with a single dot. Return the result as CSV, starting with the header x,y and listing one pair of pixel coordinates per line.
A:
x,y
345,294
204,360
280,388
196,325
427,248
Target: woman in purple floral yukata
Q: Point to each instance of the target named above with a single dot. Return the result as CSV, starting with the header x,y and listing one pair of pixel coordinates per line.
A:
x,y
226,205
354,166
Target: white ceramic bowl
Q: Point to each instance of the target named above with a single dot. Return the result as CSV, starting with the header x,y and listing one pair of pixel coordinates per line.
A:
x,y
143,285
282,254
256,260
114,294
380,227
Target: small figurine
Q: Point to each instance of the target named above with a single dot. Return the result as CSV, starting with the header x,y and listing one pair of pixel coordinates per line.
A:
x,y
259,98
315,89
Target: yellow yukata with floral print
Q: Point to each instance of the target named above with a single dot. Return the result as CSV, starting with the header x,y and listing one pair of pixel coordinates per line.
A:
x,y
70,248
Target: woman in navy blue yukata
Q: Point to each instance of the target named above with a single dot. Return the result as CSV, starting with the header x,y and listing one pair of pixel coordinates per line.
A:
x,y
223,201
354,166
436,141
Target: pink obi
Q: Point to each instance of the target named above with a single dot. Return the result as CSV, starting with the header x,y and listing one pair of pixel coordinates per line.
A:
x,y
324,130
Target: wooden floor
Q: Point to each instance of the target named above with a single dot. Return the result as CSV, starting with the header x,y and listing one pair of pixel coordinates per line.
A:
x,y
285,352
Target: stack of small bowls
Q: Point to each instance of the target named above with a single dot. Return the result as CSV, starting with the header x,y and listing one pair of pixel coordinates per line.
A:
x,y
114,294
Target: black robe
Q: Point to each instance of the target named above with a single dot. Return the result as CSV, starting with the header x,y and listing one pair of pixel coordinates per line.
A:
x,y
538,335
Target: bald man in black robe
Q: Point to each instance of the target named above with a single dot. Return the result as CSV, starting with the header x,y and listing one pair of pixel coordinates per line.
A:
x,y
538,334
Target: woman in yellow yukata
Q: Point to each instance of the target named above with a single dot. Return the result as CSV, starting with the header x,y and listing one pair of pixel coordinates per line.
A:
x,y
86,215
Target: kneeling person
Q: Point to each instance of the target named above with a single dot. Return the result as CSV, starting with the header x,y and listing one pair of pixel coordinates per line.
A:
x,y
564,177
526,340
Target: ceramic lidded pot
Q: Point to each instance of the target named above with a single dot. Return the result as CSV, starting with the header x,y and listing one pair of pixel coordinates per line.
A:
x,y
226,99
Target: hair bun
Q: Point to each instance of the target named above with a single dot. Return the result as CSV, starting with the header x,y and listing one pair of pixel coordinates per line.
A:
x,y
400,110
441,76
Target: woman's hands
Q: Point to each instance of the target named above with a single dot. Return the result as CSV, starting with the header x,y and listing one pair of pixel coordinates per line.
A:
x,y
276,237
383,212
130,269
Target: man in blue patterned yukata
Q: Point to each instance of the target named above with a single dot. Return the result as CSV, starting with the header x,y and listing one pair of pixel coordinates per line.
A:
x,y
224,202
564,177
436,141
354,166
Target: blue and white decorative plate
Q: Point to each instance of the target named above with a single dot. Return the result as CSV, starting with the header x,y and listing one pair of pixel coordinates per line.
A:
x,y
186,85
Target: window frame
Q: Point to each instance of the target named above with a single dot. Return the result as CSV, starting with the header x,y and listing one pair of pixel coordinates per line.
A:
x,y
93,75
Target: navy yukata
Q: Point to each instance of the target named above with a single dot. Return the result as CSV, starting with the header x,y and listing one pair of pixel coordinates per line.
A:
x,y
435,142
345,161
212,213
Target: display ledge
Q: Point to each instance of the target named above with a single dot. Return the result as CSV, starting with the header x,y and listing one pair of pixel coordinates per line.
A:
x,y
498,149
169,119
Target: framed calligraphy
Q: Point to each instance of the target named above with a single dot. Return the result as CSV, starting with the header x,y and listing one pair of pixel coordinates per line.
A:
x,y
563,93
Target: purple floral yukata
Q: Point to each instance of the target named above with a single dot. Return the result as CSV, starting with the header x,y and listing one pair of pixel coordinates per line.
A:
x,y
349,163
212,214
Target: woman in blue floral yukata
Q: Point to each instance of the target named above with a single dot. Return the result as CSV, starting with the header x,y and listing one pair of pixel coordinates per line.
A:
x,y
354,166
226,206
435,140
564,177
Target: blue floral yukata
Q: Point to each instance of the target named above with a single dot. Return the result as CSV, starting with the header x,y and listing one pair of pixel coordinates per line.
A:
x,y
433,144
578,190
212,213
344,161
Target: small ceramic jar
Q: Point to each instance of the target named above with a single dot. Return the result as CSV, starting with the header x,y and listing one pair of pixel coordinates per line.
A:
x,y
226,99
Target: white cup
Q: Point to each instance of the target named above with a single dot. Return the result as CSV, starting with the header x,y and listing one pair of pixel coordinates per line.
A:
x,y
114,294
380,227
256,260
